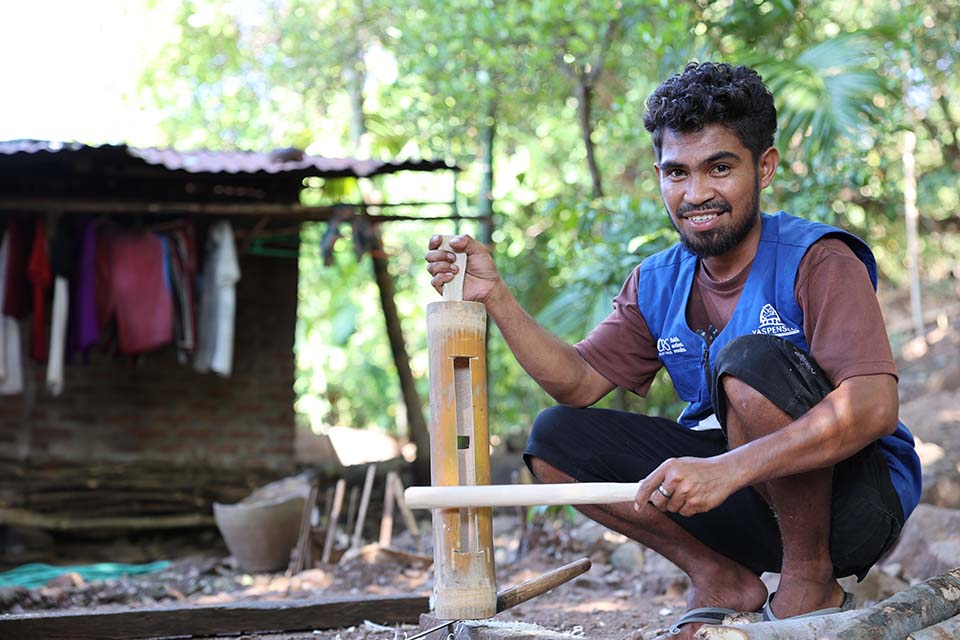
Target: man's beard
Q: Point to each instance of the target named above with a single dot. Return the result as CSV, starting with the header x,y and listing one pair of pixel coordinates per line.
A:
x,y
716,242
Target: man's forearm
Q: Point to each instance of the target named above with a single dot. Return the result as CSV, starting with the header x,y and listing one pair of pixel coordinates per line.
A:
x,y
552,363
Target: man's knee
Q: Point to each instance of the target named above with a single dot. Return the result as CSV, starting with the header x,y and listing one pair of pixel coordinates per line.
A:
x,y
549,423
546,472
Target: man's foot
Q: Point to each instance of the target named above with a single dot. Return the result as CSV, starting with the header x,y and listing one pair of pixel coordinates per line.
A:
x,y
735,590
796,597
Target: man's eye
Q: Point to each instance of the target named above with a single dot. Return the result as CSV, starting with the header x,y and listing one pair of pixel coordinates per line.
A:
x,y
721,168
676,173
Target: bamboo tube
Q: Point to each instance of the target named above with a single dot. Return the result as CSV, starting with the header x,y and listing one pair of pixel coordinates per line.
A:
x,y
520,495
464,582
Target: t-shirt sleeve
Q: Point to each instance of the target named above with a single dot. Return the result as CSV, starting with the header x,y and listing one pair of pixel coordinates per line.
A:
x,y
842,319
621,348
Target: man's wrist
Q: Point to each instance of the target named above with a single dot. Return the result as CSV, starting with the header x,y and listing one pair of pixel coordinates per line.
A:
x,y
498,295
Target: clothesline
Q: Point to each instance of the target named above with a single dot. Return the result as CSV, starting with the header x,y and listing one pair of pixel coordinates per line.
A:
x,y
144,279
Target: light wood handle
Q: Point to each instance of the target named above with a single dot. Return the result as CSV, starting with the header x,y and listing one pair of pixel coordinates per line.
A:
x,y
519,593
519,495
453,290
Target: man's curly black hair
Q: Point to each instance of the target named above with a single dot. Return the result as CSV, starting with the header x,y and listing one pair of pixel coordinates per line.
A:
x,y
707,93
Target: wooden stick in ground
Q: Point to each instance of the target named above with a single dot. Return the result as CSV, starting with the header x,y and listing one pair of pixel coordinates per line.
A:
x,y
386,520
518,593
300,558
408,520
335,508
352,507
364,503
947,629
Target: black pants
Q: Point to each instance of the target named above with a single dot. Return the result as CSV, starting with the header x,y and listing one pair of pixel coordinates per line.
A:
x,y
602,445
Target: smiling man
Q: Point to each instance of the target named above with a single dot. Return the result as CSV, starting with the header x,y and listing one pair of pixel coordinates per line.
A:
x,y
789,456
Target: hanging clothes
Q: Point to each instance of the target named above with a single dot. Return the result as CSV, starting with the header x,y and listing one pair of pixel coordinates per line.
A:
x,y
183,271
130,286
16,298
11,362
84,331
41,279
221,272
63,256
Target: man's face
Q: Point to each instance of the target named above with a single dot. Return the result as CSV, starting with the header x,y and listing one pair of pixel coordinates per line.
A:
x,y
711,187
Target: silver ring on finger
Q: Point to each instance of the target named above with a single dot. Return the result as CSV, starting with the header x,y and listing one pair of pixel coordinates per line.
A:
x,y
663,491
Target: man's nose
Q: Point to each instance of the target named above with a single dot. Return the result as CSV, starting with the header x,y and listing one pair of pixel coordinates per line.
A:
x,y
698,190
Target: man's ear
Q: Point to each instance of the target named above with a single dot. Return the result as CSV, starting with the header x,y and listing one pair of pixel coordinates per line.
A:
x,y
767,166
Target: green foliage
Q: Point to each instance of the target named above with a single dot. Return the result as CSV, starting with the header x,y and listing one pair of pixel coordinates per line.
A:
x,y
555,514
437,79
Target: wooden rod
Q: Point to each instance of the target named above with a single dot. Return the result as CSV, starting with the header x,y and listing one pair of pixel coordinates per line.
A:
x,y
386,519
519,495
364,503
332,520
519,593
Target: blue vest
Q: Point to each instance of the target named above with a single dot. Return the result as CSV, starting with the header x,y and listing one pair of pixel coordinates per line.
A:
x,y
766,305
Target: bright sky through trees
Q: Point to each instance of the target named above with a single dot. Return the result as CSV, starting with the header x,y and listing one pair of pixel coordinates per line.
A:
x,y
69,70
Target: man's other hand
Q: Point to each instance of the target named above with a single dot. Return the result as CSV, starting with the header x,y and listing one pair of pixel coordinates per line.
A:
x,y
687,486
482,275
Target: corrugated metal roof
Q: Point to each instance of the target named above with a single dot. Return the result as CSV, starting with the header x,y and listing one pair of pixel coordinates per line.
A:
x,y
233,162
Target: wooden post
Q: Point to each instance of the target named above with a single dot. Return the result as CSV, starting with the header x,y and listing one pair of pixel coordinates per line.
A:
x,y
364,503
330,540
408,520
464,580
386,519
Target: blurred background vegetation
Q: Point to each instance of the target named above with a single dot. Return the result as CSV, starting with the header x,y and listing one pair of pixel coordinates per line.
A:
x,y
540,102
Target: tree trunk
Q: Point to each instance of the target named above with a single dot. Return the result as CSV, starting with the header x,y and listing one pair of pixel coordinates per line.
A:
x,y
584,105
411,399
912,217
485,204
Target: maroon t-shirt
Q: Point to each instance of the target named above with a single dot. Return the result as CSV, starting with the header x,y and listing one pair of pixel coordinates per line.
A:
x,y
842,320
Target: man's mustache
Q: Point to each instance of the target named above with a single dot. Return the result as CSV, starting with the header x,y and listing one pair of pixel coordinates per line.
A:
x,y
713,205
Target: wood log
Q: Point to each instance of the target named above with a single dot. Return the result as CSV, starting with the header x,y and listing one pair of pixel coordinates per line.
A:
x,y
947,630
240,618
519,495
25,518
918,607
811,628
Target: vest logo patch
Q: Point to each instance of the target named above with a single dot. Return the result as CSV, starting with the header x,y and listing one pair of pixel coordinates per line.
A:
x,y
772,325
669,346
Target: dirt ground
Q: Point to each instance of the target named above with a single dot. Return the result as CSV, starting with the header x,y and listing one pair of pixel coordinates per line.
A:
x,y
629,592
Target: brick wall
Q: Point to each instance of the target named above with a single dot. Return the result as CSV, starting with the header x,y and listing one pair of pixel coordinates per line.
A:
x,y
157,410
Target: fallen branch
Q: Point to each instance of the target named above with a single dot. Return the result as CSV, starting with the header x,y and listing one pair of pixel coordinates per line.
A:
x,y
796,629
910,610
944,631
249,617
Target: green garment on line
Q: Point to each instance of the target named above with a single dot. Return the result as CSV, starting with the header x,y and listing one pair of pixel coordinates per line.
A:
x,y
38,574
